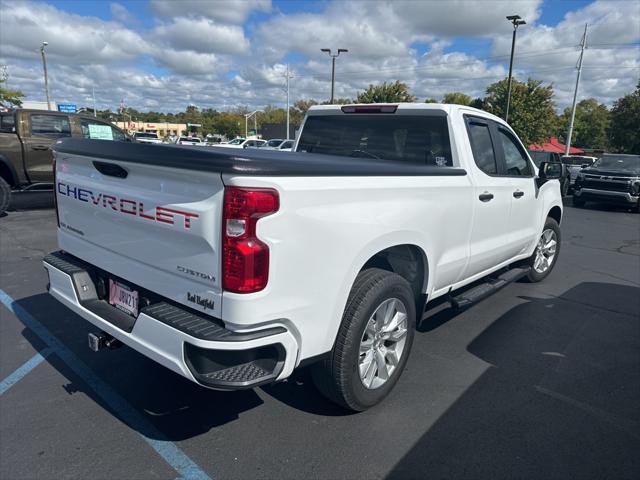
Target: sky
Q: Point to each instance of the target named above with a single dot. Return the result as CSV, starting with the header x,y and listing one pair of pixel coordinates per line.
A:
x,y
163,55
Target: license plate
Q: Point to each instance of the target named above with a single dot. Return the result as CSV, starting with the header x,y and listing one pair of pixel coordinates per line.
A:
x,y
123,297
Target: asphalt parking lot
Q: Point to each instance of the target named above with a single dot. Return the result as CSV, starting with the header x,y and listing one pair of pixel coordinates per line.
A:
x,y
537,381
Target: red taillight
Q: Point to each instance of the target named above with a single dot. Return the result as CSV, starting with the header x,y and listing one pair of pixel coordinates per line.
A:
x,y
245,259
369,108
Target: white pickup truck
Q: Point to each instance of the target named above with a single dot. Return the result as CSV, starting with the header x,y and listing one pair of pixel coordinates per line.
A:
x,y
233,268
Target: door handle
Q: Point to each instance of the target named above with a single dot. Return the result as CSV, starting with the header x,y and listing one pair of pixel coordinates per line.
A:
x,y
486,197
518,194
40,147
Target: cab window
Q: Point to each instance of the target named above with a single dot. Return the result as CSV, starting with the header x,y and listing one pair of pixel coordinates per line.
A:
x,y
53,126
482,147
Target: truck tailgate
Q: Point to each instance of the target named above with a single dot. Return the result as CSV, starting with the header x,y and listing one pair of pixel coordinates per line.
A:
x,y
155,226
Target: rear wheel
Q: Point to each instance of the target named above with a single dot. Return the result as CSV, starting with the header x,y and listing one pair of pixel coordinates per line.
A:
x,y
5,196
373,341
546,253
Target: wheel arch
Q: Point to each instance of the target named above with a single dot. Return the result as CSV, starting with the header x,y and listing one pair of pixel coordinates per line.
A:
x,y
555,213
8,172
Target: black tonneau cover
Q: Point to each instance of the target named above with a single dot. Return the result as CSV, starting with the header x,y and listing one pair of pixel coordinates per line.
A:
x,y
248,161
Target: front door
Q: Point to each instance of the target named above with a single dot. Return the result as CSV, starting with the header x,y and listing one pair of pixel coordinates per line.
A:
x,y
492,201
524,215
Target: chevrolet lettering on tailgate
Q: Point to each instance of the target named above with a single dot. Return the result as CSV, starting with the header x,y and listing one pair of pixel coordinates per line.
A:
x,y
126,206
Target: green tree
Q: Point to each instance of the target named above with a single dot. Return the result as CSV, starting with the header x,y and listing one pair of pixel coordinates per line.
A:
x,y
9,98
303,105
531,113
431,100
387,92
625,123
590,127
457,98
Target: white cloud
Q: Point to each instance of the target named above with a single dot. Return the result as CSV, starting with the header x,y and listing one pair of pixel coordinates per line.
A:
x,y
206,54
202,35
228,11
120,14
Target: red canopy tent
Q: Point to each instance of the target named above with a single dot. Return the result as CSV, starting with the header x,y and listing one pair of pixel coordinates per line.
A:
x,y
553,145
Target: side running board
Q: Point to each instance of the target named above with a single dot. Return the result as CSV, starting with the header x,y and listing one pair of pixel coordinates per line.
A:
x,y
490,286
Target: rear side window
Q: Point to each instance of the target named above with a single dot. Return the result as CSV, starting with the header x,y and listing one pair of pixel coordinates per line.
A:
x,y
416,139
7,123
53,126
482,147
516,163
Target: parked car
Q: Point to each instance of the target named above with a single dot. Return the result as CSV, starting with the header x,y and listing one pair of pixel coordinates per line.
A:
x,y
614,178
279,144
235,270
190,141
235,141
552,157
575,163
248,143
147,137
273,143
25,138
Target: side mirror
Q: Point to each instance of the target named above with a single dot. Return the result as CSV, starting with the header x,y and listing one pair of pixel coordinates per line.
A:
x,y
550,171
245,146
584,165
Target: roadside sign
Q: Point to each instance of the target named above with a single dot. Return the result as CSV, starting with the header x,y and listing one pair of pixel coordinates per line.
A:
x,y
67,107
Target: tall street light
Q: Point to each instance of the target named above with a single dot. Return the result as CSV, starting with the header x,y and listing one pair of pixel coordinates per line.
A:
x,y
46,79
333,65
517,21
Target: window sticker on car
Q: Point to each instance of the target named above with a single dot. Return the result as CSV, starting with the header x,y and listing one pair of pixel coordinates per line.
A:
x,y
100,132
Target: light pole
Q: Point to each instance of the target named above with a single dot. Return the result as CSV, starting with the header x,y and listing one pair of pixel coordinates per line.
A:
x,y
46,80
333,65
247,116
517,21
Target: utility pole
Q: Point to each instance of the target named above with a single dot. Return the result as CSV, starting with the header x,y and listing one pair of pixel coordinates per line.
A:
x,y
93,93
46,80
288,77
517,21
333,66
583,44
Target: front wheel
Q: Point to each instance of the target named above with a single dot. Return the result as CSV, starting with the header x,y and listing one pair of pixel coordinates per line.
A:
x,y
373,342
546,253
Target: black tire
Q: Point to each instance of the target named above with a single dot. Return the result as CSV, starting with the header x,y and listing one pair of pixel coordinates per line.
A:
x,y
337,377
577,201
534,276
5,196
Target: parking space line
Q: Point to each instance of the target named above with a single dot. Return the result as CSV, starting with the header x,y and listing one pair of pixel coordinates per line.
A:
x,y
22,371
170,452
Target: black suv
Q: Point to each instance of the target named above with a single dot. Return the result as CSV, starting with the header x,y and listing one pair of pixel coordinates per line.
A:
x,y
615,178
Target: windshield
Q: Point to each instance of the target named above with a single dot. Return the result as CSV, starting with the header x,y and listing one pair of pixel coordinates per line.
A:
x,y
236,141
146,135
287,144
274,143
420,139
619,162
538,157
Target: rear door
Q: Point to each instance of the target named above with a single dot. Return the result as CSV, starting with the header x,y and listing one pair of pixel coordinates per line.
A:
x,y
44,129
493,193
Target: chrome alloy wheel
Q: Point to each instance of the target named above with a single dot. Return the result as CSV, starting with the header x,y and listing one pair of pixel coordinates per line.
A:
x,y
383,343
545,251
